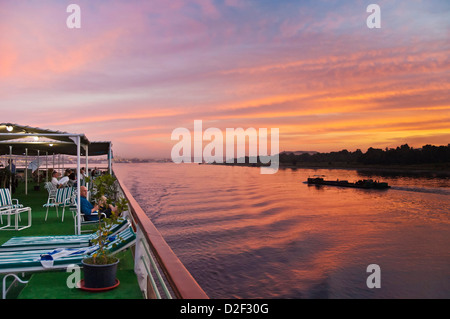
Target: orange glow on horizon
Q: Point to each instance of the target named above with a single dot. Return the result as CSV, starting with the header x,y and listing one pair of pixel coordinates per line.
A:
x,y
327,84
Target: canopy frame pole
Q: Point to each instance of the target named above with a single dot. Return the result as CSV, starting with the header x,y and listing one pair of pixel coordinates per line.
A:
x,y
38,164
46,166
10,169
78,142
86,170
26,171
110,159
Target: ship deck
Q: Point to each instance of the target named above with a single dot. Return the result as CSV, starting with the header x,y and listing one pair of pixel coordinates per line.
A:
x,y
52,284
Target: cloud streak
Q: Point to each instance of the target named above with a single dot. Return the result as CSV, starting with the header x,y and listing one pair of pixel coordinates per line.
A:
x,y
136,70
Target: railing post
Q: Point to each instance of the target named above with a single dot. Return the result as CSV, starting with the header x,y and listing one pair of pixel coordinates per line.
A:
x,y
138,267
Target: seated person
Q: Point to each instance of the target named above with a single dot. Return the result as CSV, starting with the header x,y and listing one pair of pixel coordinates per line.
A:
x,y
104,208
86,207
83,176
72,180
55,175
91,212
63,181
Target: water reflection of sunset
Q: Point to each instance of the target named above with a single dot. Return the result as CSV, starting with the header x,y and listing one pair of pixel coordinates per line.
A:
x,y
244,234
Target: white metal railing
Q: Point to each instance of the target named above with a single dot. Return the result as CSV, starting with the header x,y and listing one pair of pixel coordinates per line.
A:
x,y
144,260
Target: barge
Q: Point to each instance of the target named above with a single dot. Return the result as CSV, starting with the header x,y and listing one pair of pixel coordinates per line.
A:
x,y
365,184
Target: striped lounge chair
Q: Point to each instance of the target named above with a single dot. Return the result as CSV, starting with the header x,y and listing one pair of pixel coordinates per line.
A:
x,y
16,262
51,189
11,207
63,198
24,243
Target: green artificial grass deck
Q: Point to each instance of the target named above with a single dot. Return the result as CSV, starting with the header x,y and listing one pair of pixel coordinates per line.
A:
x,y
52,284
35,200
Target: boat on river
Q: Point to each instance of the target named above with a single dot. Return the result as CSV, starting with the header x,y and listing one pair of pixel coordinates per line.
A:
x,y
366,183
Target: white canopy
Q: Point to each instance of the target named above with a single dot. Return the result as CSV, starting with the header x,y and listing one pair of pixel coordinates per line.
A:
x,y
19,139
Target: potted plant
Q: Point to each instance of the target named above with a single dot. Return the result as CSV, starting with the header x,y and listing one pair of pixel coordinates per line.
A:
x,y
100,269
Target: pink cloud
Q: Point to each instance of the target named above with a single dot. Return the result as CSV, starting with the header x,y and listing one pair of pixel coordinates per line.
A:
x,y
148,67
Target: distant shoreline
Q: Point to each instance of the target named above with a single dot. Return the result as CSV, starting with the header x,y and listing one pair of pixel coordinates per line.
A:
x,y
441,169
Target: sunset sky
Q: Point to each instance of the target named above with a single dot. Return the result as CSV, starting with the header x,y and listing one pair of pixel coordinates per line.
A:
x,y
136,70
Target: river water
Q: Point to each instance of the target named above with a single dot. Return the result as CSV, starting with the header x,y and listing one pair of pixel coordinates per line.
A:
x,y
246,235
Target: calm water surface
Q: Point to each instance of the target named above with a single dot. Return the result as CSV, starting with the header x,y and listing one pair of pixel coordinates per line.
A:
x,y
246,235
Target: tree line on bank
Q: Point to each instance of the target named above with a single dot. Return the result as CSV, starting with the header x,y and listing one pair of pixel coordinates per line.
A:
x,y
402,155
